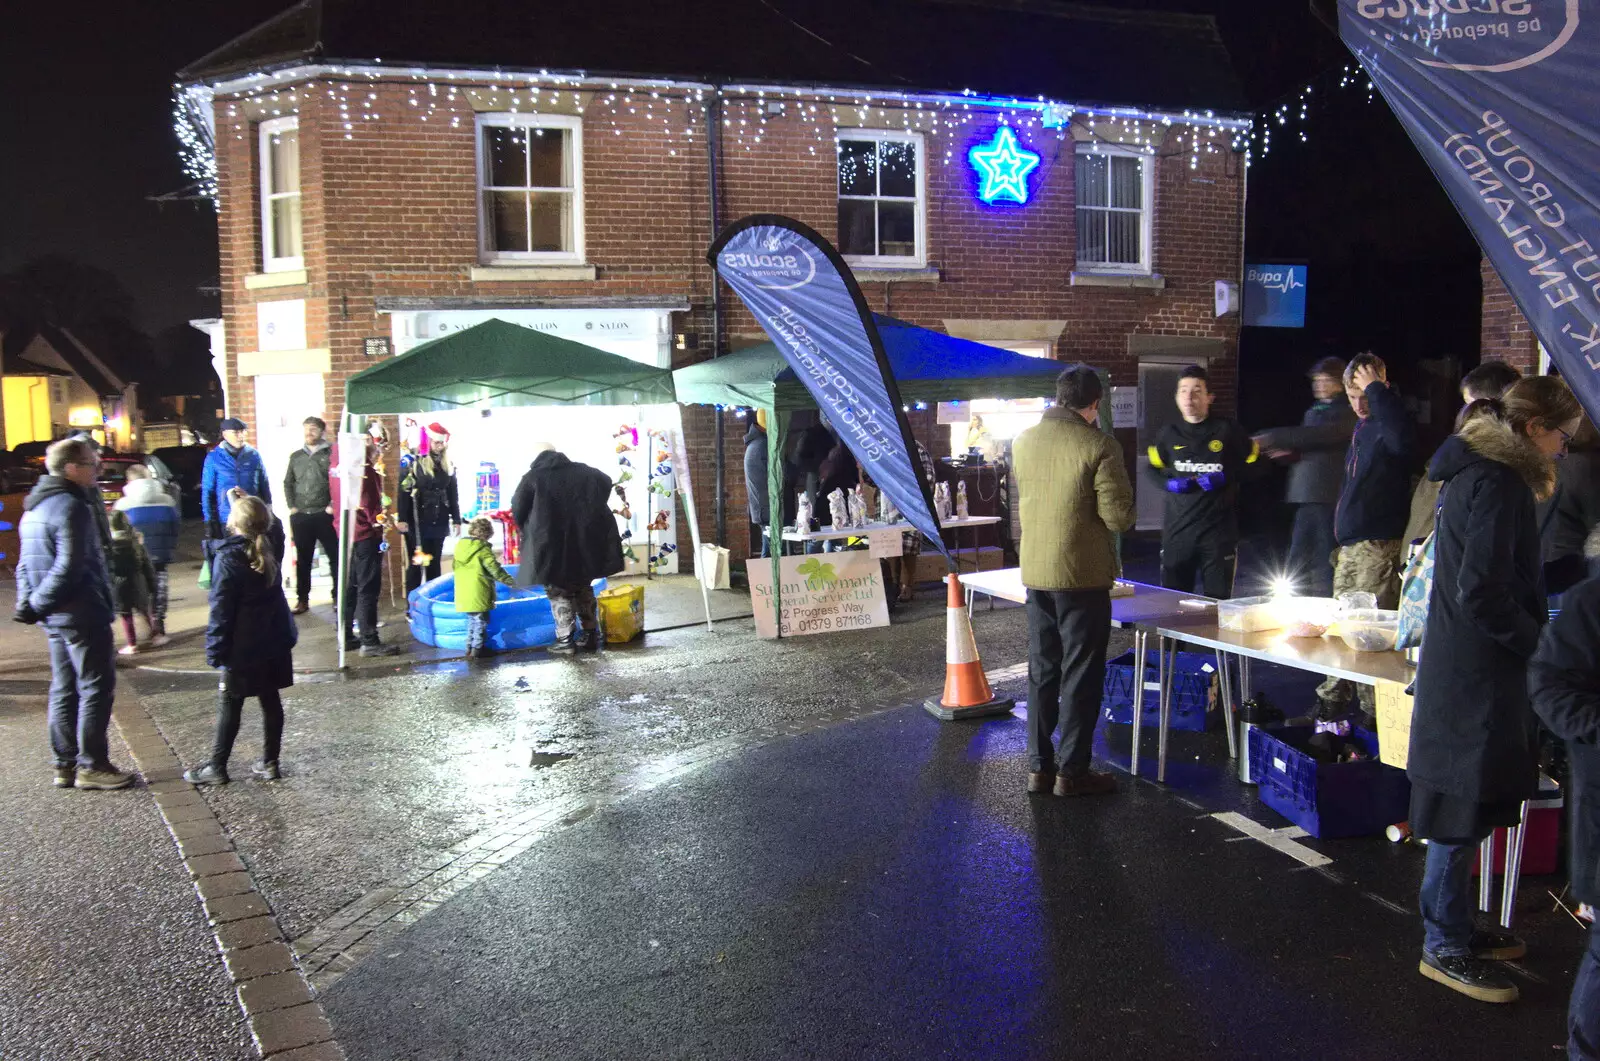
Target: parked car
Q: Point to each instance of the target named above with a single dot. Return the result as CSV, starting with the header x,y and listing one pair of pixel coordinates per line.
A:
x,y
17,473
31,453
186,464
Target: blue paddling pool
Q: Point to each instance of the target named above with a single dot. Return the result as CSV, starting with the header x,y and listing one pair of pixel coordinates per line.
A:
x,y
521,617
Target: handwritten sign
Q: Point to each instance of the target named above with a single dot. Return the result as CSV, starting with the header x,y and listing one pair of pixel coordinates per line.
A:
x,y
884,544
823,593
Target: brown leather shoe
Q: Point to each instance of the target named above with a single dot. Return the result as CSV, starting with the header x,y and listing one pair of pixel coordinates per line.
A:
x,y
300,607
1040,781
1088,783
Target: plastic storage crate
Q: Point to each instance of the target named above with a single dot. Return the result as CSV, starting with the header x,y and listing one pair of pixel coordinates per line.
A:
x,y
1327,800
1191,690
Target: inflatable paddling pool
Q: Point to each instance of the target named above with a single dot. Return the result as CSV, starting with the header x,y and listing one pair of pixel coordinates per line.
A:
x,y
521,617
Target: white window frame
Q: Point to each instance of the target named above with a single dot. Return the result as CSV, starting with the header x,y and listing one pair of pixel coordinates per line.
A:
x,y
487,254
270,261
1147,187
891,261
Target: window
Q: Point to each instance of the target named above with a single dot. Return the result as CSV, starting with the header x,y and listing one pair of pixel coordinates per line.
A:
x,y
530,170
881,198
1114,197
280,195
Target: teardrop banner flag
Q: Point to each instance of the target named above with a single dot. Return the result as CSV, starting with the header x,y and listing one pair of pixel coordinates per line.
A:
x,y
1502,99
806,298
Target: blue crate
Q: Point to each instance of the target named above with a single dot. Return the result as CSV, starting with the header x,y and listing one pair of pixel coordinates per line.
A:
x,y
1190,693
1327,800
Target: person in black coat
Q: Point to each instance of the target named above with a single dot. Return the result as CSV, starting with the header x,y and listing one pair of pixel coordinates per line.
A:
x,y
569,539
756,461
1564,683
250,638
1473,757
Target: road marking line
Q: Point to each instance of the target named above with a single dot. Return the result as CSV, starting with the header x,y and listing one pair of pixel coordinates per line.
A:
x,y
1278,839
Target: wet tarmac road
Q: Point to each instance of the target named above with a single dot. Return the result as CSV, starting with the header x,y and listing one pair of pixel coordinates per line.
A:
x,y
883,890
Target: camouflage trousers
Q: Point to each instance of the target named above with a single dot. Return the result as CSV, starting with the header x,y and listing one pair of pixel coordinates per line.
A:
x,y
1369,567
571,605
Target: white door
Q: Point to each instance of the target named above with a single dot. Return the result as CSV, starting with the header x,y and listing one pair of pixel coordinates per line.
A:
x,y
282,404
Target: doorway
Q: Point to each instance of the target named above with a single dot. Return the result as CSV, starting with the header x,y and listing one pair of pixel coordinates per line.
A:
x,y
1158,407
282,404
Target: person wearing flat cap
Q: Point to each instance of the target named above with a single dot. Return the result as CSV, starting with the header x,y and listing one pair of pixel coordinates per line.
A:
x,y
233,463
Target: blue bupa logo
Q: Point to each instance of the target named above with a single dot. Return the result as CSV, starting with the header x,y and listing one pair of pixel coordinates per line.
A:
x,y
1487,36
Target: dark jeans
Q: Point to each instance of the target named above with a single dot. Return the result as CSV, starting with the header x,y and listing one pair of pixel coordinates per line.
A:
x,y
1209,559
1446,899
83,680
1067,636
229,708
1583,1014
1311,549
311,529
414,574
366,581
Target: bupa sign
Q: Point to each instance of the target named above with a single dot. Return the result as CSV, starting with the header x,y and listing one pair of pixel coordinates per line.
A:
x,y
1275,296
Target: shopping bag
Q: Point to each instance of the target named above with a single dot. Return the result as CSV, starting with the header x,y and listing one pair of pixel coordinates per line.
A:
x,y
205,573
1416,586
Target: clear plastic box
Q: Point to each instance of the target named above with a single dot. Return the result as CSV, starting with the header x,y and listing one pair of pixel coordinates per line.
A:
x,y
1370,629
1249,615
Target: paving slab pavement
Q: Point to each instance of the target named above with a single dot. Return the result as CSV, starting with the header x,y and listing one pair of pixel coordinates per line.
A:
x,y
106,952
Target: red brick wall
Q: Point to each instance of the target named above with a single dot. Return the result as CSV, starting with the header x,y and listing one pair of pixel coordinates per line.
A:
x,y
1507,336
389,208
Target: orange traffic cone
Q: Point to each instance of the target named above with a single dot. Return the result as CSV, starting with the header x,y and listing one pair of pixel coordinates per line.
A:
x,y
966,688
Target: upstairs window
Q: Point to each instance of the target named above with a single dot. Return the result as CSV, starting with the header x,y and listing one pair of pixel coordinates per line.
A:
x,y
1114,200
281,247
530,176
881,198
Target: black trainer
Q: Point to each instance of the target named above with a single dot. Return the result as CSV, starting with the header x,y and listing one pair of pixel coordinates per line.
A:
x,y
1471,976
590,641
563,646
1497,946
208,774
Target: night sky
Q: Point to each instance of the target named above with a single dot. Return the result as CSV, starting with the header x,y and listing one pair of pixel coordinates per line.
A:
x,y
87,139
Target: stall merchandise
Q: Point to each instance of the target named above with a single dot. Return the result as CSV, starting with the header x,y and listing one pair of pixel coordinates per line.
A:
x,y
502,389
927,366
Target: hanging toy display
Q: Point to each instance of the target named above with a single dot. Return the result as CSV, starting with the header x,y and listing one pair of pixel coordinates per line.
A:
x,y
486,497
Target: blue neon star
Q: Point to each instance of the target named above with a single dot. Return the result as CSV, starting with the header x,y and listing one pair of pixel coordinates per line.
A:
x,y
1004,167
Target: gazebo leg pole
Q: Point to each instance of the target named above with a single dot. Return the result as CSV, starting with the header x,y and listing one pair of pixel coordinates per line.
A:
x,y
777,429
339,591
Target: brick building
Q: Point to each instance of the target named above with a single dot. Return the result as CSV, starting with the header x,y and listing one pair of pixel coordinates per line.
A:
x,y
558,172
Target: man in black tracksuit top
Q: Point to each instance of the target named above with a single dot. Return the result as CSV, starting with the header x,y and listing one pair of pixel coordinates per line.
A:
x,y
1200,462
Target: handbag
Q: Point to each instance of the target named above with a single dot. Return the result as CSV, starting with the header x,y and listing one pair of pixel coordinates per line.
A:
x,y
1416,586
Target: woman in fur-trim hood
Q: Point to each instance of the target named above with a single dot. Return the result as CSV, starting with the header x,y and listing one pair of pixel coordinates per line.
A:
x,y
1473,756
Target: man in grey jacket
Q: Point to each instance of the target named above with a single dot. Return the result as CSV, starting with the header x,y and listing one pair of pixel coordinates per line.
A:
x,y
307,490
1316,448
62,583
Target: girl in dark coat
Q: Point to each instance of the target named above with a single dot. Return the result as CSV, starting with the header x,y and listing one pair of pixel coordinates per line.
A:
x,y
251,639
1473,758
1564,682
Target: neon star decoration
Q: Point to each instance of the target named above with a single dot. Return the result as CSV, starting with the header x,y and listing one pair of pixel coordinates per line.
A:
x,y
1003,167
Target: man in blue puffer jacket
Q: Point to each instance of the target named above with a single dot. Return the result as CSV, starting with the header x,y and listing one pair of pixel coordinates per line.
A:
x,y
231,464
63,584
154,514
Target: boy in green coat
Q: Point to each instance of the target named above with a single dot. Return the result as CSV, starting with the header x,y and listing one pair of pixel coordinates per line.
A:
x,y
476,571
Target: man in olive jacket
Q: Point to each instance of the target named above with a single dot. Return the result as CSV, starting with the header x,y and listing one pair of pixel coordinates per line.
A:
x,y
1075,498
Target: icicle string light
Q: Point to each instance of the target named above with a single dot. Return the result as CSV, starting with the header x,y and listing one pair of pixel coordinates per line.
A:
x,y
675,110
